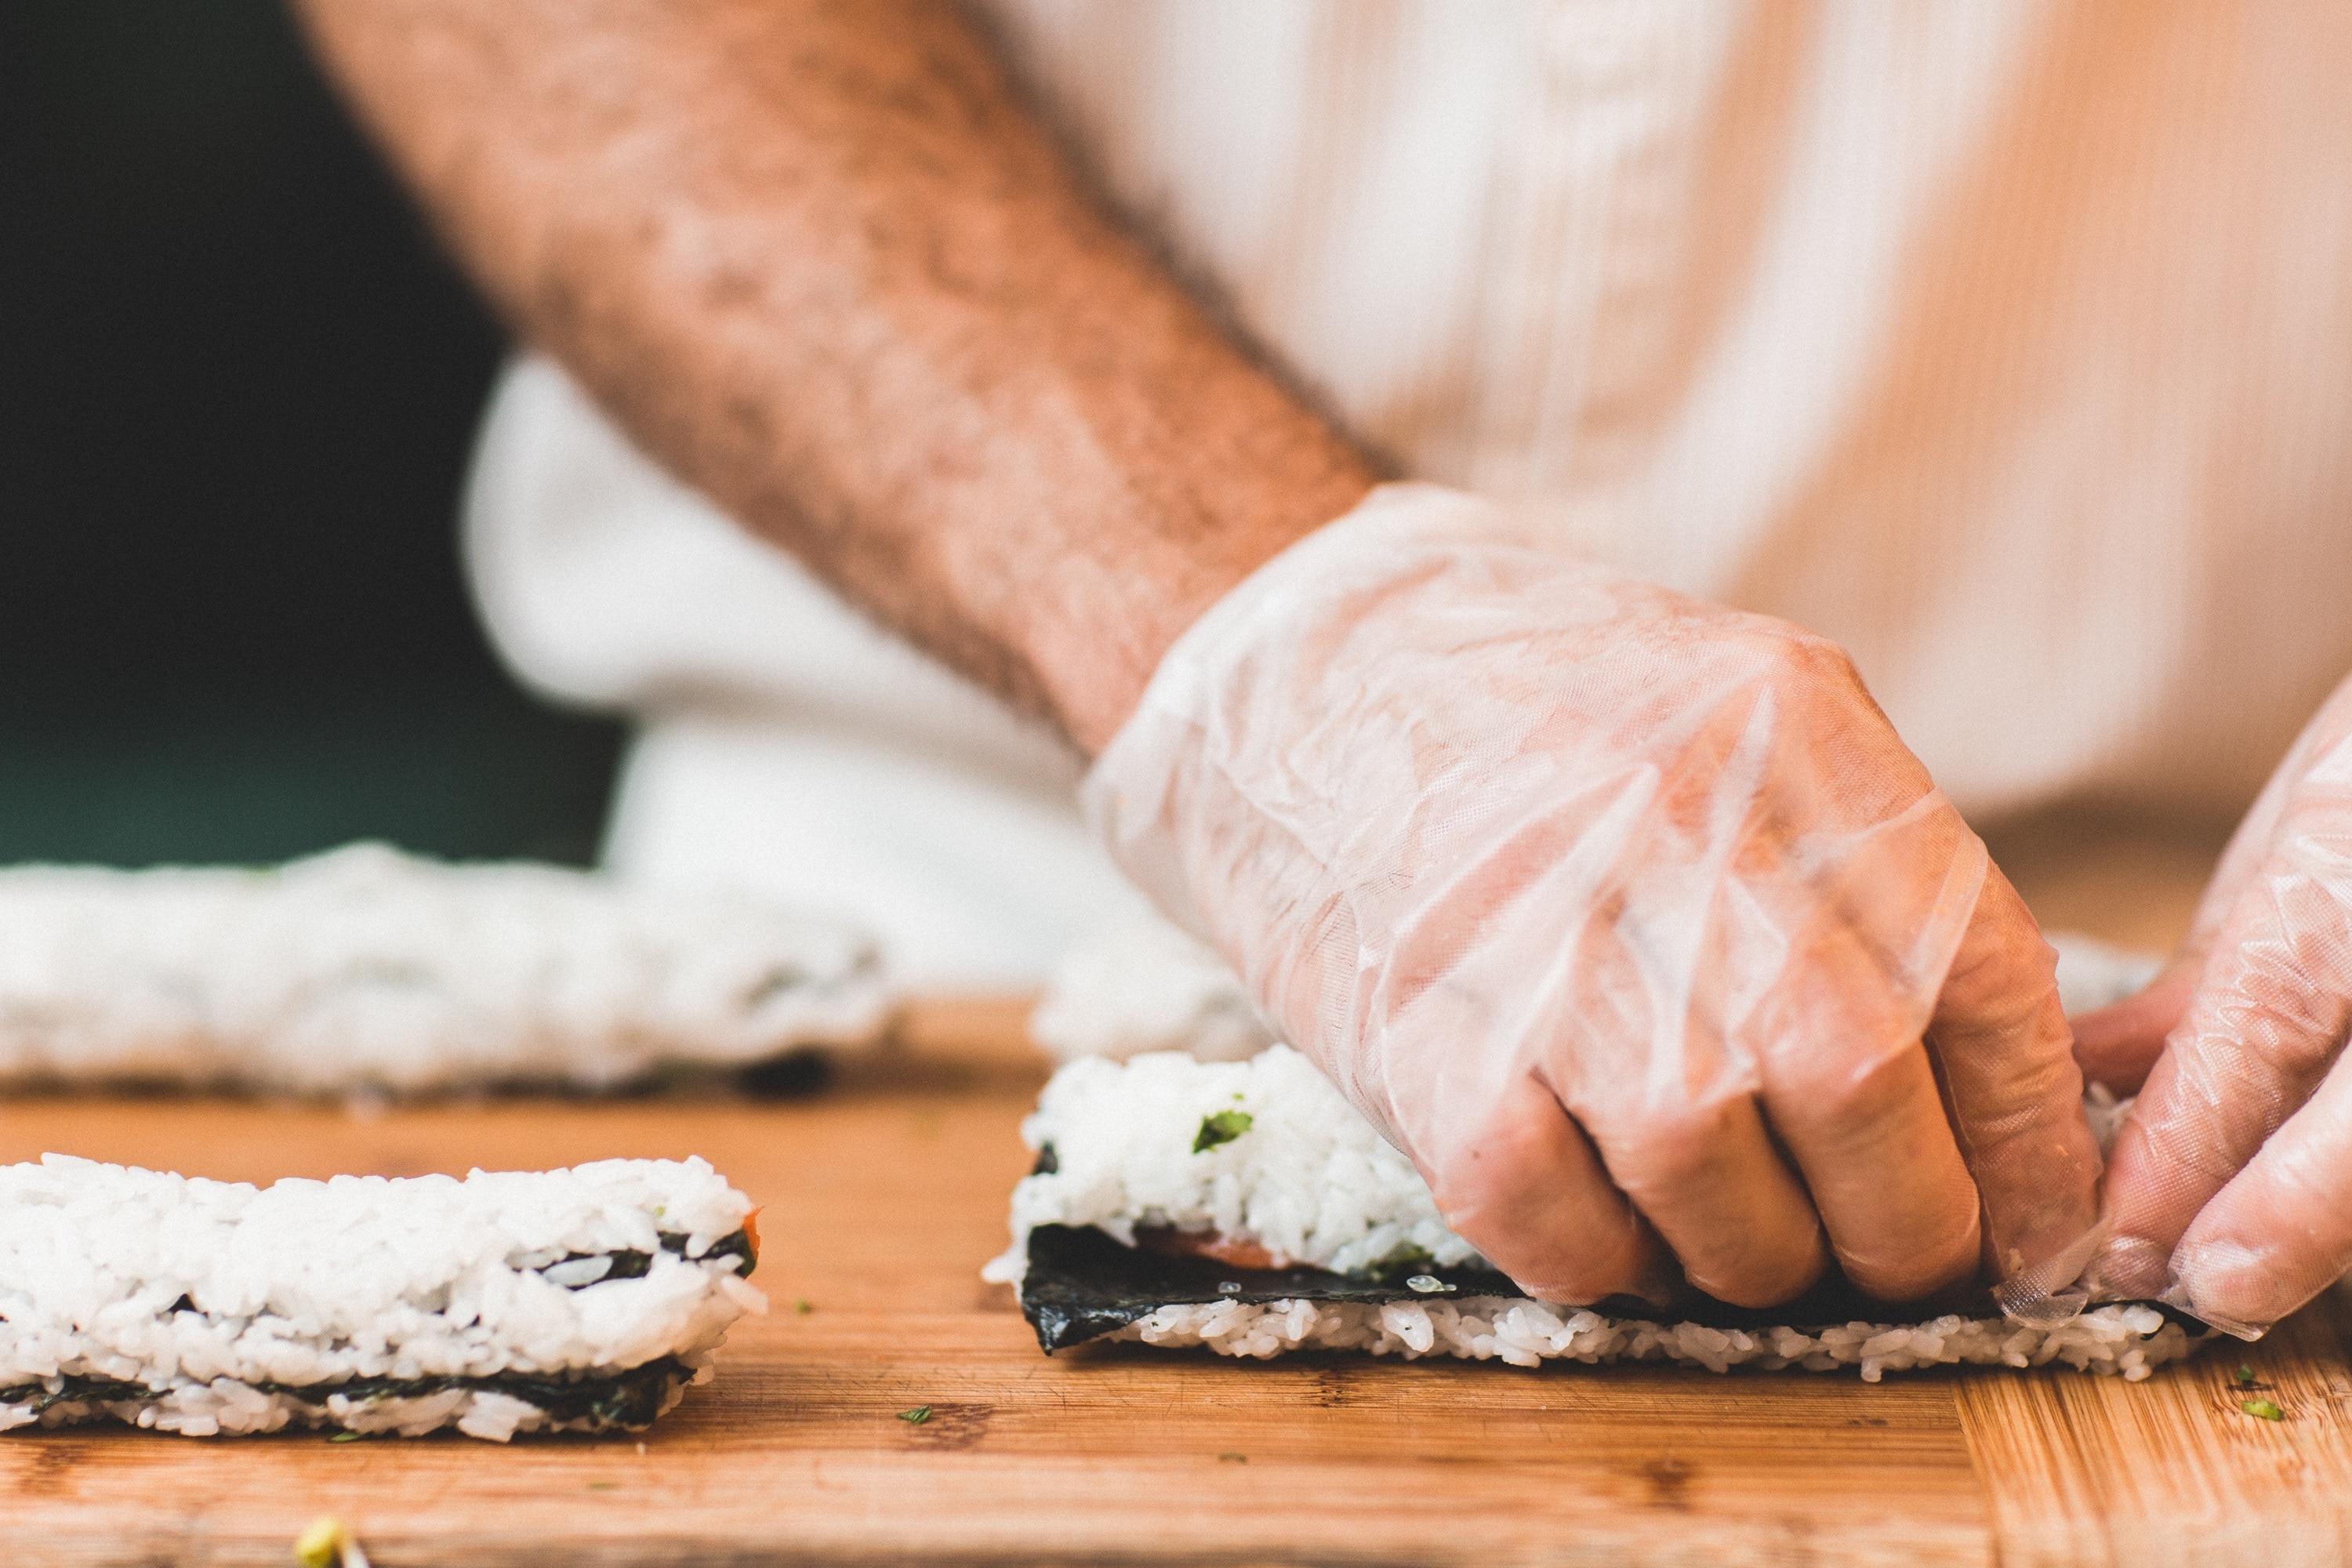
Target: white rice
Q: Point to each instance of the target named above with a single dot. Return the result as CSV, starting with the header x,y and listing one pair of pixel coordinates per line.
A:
x,y
1143,985
2126,1340
239,1309
368,969
1310,1182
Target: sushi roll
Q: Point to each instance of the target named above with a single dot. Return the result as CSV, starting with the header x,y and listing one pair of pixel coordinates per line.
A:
x,y
367,970
1247,1207
576,1301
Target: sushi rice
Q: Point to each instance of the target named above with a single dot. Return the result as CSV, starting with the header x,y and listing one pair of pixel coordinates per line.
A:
x,y
581,1300
364,970
1267,1154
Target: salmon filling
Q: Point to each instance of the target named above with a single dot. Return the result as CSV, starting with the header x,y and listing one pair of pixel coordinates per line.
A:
x,y
1235,1252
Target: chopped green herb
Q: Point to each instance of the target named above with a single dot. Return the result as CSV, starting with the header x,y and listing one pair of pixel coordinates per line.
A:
x,y
2266,1409
1230,1457
1221,1127
344,1437
604,1485
2244,1376
802,1308
917,1417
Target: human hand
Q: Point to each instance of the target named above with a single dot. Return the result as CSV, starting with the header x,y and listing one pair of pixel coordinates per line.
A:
x,y
1626,916
2228,1188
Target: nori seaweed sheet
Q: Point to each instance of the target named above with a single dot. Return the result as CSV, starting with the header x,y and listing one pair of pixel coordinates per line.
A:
x,y
630,1264
1082,1284
631,1398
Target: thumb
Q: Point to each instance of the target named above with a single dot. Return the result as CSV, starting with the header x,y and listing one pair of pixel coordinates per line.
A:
x,y
2119,1044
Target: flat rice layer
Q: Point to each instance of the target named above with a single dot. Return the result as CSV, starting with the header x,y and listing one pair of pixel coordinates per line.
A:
x,y
199,1306
491,1409
2126,1340
366,969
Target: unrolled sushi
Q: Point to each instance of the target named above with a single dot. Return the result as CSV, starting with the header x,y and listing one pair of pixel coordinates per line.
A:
x,y
573,1301
1247,1207
365,969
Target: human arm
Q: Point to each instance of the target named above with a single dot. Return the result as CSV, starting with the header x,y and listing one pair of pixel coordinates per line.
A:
x,y
821,262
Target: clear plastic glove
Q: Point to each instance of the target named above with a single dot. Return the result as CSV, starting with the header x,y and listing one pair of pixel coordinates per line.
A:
x,y
1622,914
2229,1191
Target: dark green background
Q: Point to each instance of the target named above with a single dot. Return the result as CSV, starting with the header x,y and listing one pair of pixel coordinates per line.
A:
x,y
238,385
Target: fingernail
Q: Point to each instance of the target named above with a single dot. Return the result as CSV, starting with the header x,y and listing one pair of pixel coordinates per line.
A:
x,y
2230,1286
2058,1287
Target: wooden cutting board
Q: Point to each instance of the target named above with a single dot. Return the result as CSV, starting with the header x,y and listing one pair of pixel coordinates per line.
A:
x,y
884,1198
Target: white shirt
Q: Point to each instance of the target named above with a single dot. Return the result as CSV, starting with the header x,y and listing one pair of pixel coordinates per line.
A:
x,y
2009,342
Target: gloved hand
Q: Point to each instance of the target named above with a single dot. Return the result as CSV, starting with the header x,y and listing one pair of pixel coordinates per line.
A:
x,y
2228,1190
1622,914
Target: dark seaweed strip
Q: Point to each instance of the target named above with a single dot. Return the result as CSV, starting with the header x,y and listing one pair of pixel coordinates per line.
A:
x,y
792,1075
630,1398
76,1388
1082,1284
739,1245
630,1264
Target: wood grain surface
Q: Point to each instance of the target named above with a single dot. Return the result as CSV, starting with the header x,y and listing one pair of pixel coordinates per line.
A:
x,y
884,1196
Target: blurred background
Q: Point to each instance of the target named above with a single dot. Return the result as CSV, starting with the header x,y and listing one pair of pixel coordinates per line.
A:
x,y
238,387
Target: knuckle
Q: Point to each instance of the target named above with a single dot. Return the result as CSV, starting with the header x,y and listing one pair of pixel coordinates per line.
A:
x,y
1670,1146
1803,658
1844,1093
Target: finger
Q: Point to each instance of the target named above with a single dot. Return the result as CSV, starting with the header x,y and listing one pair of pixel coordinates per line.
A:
x,y
1705,1173
2267,1023
2281,1231
1885,1174
1999,1036
1848,1088
1530,1194
2119,1044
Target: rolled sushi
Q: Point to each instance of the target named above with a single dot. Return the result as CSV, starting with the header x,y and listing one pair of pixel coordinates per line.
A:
x,y
573,1301
365,969
1246,1207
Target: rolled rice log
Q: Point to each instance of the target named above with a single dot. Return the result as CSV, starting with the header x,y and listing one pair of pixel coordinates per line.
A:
x,y
367,969
1246,1207
575,1300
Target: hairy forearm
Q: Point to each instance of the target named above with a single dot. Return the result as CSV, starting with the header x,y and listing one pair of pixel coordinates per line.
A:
x,y
819,260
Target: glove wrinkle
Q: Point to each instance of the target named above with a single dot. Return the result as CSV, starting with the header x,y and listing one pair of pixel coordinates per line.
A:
x,y
1610,908
2229,1191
